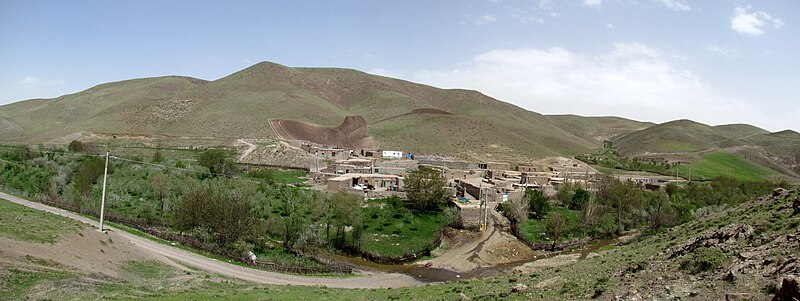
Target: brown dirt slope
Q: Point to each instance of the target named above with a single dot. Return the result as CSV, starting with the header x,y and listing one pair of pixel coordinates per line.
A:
x,y
352,132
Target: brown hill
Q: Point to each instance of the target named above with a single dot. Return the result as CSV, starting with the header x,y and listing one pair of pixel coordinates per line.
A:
x,y
398,114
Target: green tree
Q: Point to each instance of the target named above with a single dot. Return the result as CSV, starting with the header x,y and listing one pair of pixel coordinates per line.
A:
x,y
162,187
425,189
579,198
217,161
75,146
221,206
157,158
565,192
555,226
346,213
538,204
516,210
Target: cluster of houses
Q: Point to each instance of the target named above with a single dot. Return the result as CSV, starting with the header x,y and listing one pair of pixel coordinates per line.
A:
x,y
473,185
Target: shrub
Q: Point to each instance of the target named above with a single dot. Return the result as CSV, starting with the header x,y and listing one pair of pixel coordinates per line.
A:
x,y
703,259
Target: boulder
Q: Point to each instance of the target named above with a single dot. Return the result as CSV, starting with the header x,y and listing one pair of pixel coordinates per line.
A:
x,y
789,291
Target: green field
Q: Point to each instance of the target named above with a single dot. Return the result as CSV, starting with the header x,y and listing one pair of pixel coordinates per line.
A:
x,y
719,164
21,223
395,230
534,229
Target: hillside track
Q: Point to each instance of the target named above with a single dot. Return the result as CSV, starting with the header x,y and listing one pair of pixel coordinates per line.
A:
x,y
366,280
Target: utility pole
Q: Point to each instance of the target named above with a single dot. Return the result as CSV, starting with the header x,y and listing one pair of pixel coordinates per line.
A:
x,y
103,197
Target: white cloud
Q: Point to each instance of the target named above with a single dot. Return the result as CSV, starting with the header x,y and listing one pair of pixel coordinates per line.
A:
x,y
610,26
632,80
676,5
726,52
30,81
33,82
592,2
751,23
480,20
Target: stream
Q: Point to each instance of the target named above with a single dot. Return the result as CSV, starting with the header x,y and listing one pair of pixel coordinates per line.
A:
x,y
434,274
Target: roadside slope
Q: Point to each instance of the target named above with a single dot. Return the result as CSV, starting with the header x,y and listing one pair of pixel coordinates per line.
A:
x,y
376,280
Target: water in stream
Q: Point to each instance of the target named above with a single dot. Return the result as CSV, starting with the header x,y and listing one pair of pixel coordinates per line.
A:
x,y
434,274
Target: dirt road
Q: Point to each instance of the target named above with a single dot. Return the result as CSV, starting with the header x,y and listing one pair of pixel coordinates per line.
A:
x,y
250,148
492,248
367,280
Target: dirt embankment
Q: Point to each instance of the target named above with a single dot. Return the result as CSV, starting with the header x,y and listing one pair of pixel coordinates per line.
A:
x,y
351,133
492,247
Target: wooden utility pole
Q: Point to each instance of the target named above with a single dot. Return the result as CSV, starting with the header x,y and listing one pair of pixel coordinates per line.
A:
x,y
103,197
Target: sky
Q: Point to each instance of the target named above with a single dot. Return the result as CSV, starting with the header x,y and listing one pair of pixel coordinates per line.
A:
x,y
716,62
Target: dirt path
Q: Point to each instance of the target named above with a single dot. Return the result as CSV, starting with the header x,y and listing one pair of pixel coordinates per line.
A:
x,y
250,148
368,280
493,247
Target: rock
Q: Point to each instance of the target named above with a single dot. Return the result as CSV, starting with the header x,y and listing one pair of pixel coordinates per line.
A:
x,y
796,206
738,296
789,291
519,288
778,191
464,297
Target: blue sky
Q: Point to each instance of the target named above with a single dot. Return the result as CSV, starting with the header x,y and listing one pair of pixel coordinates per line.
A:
x,y
654,60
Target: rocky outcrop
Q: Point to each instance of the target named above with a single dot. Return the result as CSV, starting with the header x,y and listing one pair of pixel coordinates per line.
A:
x,y
719,238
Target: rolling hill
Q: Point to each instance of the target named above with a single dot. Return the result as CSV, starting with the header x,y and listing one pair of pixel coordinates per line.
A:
x,y
391,114
740,145
598,128
397,112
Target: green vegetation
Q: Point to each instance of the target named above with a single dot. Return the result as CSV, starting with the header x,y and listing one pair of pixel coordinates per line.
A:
x,y
274,175
537,230
21,223
391,229
707,167
718,164
618,206
147,270
425,189
264,212
703,259
16,283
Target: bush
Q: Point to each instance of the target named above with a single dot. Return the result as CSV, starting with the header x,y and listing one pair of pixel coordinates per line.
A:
x,y
538,204
703,259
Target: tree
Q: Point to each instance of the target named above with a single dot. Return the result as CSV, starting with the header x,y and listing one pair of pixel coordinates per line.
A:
x,y
660,210
75,146
292,205
565,192
516,210
579,198
555,226
217,161
346,212
162,186
538,204
220,206
425,189
157,158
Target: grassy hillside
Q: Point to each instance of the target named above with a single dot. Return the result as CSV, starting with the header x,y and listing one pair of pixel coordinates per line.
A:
x,y
240,104
598,128
750,150
717,164
669,137
755,242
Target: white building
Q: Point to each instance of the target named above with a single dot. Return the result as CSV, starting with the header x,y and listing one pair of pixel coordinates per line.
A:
x,y
393,154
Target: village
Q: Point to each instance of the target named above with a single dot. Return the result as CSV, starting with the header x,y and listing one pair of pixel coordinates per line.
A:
x,y
474,187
